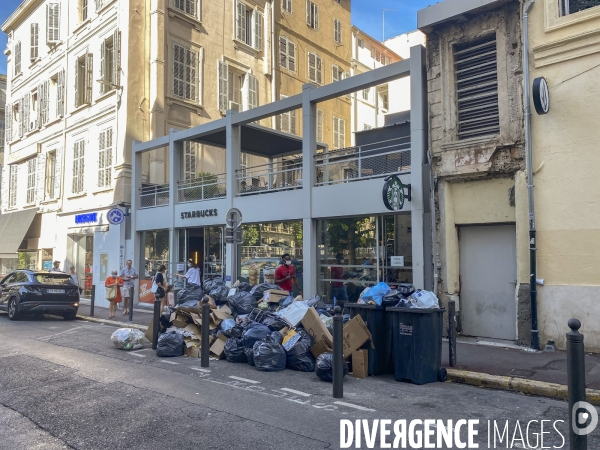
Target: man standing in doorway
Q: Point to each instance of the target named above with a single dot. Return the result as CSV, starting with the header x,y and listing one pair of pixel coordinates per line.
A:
x,y
338,290
128,274
285,275
55,267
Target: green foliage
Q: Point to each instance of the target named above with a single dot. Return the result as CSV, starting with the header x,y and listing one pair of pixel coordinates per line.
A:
x,y
297,232
349,234
251,234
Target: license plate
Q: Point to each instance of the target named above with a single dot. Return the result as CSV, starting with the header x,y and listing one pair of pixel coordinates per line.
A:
x,y
56,291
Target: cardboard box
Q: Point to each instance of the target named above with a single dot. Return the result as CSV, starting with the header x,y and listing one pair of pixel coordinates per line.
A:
x,y
274,295
221,315
194,329
315,327
360,363
150,330
218,346
189,342
355,335
320,348
193,352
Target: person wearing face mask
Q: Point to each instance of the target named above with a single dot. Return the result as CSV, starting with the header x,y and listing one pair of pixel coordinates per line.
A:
x,y
285,275
117,282
193,275
338,290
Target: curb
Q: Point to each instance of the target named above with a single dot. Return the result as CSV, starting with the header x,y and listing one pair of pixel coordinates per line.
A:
x,y
529,387
113,323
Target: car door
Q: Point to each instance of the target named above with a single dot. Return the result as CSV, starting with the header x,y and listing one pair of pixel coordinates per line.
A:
x,y
4,289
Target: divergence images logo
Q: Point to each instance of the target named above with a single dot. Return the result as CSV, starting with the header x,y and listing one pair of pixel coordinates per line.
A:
x,y
580,418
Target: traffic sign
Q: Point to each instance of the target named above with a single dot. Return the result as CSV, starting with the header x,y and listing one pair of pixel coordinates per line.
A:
x,y
115,216
234,235
234,217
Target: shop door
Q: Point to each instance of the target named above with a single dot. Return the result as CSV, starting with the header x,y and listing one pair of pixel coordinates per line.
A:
x,y
488,270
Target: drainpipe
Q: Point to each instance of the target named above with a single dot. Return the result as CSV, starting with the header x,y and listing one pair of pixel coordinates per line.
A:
x,y
529,163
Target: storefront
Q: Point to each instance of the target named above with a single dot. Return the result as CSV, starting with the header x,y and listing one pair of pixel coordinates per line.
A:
x,y
19,245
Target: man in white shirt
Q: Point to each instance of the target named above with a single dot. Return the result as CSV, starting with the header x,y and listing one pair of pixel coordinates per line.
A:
x,y
193,275
55,267
128,274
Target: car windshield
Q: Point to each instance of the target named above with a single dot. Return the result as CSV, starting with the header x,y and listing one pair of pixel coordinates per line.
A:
x,y
53,279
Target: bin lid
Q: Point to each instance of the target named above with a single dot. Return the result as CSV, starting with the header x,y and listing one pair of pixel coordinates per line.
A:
x,y
362,306
415,310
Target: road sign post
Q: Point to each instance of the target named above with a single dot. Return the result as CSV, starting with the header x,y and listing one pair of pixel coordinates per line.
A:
x,y
234,236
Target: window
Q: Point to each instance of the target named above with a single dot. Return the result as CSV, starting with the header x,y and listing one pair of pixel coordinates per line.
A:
x,y
366,94
105,142
286,5
337,73
83,80
315,68
234,92
32,119
12,186
382,93
51,94
361,43
43,94
17,58
338,1
287,54
185,73
110,55
78,167
319,125
312,15
31,180
476,82
249,25
287,121
53,23
236,87
339,133
337,31
33,51
50,175
100,4
243,164
8,120
574,6
83,10
2,135
190,160
189,7
252,91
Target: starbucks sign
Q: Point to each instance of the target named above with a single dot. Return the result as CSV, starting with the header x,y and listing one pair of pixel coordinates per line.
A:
x,y
393,193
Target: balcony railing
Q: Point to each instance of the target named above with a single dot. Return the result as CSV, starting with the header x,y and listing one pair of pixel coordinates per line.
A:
x,y
264,178
374,160
202,188
152,196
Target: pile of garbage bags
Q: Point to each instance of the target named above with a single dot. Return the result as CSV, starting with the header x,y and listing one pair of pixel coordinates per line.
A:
x,y
192,292
169,344
324,367
127,339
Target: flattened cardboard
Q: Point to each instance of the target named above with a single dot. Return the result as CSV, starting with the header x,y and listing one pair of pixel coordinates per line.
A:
x,y
225,309
360,363
150,330
218,346
355,335
194,329
320,348
192,352
315,327
189,343
221,315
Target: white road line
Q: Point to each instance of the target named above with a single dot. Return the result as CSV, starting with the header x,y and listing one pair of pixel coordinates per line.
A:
x,y
304,394
135,354
62,333
168,362
244,379
200,370
350,405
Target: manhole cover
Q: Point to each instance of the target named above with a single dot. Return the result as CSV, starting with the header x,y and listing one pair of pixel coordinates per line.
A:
x,y
561,364
521,373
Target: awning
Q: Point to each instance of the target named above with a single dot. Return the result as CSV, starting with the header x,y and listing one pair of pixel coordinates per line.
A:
x,y
13,228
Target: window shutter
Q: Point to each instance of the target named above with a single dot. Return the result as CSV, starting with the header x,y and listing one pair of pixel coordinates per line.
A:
x,y
319,70
48,23
41,115
252,91
336,136
223,86
309,13
291,56
88,78
116,58
319,125
74,168
293,122
335,74
8,115
57,173
25,115
342,137
312,67
5,175
17,58
103,87
60,95
191,70
41,174
283,52
101,157
98,4
33,51
241,22
258,30
109,156
76,83
316,16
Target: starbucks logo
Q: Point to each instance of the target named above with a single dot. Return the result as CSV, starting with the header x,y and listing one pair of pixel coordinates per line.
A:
x,y
393,193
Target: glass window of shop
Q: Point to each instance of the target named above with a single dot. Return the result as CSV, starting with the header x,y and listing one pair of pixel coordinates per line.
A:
x,y
205,246
357,252
80,254
263,246
155,245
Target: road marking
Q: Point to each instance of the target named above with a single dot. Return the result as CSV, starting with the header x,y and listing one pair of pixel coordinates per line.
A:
x,y
62,333
304,394
168,362
350,405
200,370
135,354
244,379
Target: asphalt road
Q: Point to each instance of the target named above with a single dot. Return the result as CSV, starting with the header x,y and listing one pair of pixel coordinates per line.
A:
x,y
63,385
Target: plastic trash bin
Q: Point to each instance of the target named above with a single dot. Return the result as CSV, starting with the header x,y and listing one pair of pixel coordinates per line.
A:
x,y
379,325
417,344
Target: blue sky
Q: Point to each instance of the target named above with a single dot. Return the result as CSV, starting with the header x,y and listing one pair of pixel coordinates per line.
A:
x,y
366,15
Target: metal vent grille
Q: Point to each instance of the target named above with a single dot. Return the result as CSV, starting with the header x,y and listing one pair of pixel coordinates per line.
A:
x,y
475,65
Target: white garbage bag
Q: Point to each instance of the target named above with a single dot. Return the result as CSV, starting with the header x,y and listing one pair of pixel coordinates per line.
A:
x,y
424,299
127,339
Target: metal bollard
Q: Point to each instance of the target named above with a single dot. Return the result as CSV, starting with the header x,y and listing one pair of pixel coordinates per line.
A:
x,y
156,323
93,301
338,354
575,382
204,344
452,333
131,291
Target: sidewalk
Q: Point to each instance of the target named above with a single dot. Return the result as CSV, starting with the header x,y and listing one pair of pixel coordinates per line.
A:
x,y
141,316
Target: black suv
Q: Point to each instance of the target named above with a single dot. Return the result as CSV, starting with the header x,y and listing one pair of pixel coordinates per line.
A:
x,y
39,292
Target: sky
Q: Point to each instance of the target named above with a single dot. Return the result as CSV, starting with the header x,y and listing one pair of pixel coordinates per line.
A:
x,y
366,15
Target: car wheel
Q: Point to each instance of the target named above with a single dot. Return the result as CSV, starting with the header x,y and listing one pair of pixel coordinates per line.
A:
x,y
12,309
70,316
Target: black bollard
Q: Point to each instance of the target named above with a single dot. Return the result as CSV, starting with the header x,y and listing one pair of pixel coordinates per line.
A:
x,y
156,322
131,291
93,300
338,354
204,344
576,384
452,333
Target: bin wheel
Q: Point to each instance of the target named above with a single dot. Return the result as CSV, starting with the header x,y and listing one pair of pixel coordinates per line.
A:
x,y
442,375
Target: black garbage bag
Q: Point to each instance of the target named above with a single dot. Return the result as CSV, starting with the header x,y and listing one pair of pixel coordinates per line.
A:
x,y
165,321
210,284
273,307
255,332
191,304
299,356
286,301
259,290
170,344
241,303
234,351
244,287
249,355
274,322
277,337
191,292
219,294
406,289
324,367
269,355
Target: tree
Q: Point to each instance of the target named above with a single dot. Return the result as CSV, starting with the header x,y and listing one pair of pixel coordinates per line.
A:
x,y
250,234
350,234
297,233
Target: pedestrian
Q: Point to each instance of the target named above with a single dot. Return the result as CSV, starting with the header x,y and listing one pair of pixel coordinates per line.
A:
x,y
74,278
338,290
161,287
113,293
128,274
169,299
55,267
285,275
193,275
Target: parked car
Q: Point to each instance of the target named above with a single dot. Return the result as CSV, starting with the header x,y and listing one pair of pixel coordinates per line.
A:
x,y
274,262
25,292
